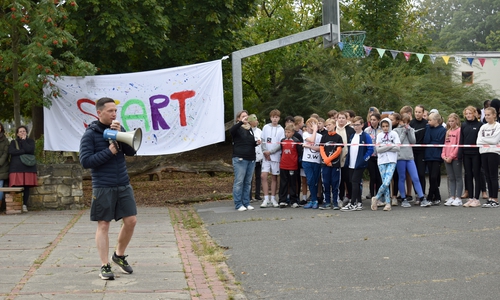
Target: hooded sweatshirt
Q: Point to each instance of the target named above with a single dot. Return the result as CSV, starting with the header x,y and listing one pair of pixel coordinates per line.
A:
x,y
406,136
387,149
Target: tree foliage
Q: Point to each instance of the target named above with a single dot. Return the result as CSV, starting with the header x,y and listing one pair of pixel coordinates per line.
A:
x,y
34,44
462,25
129,36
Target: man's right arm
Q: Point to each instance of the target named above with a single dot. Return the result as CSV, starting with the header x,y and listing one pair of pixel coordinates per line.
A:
x,y
89,158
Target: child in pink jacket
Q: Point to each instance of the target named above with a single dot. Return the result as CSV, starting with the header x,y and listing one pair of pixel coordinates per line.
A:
x,y
451,161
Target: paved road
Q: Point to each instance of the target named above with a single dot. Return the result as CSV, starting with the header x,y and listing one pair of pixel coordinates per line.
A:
x,y
52,255
408,253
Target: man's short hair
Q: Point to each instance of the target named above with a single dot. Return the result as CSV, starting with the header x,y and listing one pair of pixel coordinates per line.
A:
x,y
99,105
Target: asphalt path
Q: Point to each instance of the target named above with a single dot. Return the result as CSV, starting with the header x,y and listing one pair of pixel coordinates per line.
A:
x,y
434,252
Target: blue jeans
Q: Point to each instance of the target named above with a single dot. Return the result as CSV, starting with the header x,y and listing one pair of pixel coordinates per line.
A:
x,y
1,193
312,171
243,173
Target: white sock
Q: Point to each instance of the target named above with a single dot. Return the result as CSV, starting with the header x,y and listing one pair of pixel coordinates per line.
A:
x,y
266,198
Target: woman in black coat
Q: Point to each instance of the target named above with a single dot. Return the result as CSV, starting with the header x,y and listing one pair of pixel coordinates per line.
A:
x,y
19,173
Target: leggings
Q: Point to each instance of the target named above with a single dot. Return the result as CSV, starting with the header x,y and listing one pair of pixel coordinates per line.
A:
x,y
455,182
489,162
472,169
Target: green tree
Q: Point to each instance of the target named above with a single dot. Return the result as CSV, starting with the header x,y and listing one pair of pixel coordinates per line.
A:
x,y
34,45
462,25
129,36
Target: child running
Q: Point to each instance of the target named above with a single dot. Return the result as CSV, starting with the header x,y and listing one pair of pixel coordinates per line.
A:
x,y
387,151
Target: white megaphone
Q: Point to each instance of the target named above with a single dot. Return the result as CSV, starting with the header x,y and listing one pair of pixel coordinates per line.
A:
x,y
131,138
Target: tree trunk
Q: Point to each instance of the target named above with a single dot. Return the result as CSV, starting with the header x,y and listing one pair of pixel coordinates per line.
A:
x,y
37,120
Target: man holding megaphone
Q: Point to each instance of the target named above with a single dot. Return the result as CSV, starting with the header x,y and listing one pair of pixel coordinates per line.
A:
x,y
112,194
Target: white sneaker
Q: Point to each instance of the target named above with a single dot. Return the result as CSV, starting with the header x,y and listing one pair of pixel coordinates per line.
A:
x,y
265,203
456,202
394,201
450,201
242,208
295,205
250,207
25,209
275,204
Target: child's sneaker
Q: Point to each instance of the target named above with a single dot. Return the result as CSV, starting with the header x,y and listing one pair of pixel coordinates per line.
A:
x,y
449,202
295,205
359,206
487,204
425,203
405,203
395,201
283,204
315,205
374,203
265,203
325,206
457,202
348,207
494,204
275,204
106,272
387,207
475,203
308,205
467,204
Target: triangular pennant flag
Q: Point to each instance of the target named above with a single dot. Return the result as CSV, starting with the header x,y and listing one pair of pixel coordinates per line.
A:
x,y
470,59
407,55
433,58
341,45
381,52
482,60
367,50
458,59
420,57
494,61
446,58
394,54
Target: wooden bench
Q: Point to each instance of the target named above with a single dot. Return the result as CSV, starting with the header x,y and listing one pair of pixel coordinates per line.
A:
x,y
195,167
13,200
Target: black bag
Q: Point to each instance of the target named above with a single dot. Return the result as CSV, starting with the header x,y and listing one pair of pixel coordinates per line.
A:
x,y
27,159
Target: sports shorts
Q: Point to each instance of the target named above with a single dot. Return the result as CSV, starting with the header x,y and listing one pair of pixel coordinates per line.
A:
x,y
112,203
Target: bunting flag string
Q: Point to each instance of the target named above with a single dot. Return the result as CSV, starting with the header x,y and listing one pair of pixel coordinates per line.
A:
x,y
407,54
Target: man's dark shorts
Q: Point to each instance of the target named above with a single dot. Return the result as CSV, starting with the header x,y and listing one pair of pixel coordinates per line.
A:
x,y
112,203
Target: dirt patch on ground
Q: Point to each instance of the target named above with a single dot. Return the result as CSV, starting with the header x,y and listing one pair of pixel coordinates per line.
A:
x,y
177,187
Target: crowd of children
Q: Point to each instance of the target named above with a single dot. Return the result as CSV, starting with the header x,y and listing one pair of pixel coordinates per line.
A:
x,y
327,159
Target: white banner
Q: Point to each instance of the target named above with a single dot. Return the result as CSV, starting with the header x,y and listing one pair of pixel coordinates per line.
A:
x,y
178,109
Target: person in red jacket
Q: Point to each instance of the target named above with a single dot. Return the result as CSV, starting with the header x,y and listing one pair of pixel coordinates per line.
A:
x,y
289,167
